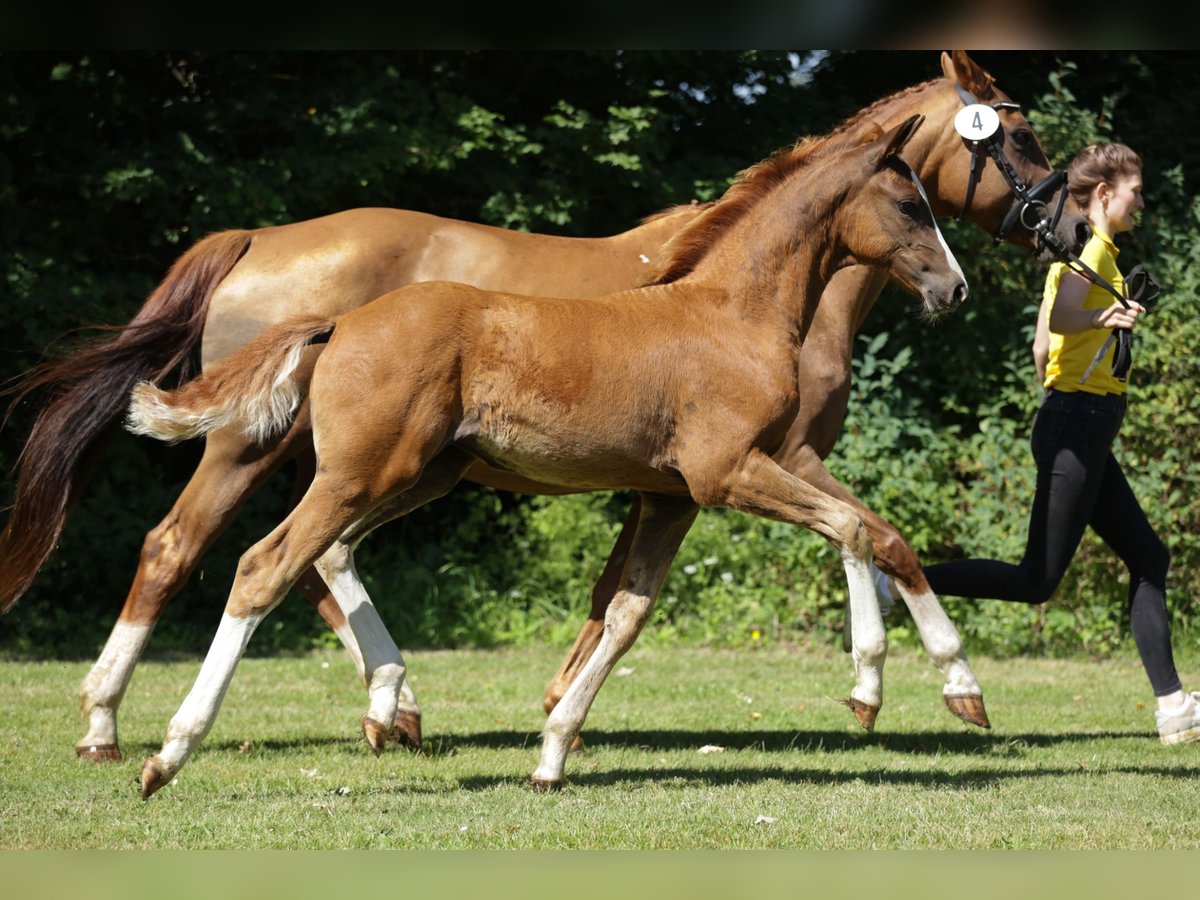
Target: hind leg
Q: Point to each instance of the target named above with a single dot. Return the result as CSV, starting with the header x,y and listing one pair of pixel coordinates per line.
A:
x,y
360,470
230,469
264,575
406,729
383,667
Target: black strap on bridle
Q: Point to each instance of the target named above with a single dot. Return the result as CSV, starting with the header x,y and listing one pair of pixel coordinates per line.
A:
x,y
1029,204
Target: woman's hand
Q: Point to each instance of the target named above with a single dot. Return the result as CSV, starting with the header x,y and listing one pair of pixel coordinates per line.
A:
x,y
1117,316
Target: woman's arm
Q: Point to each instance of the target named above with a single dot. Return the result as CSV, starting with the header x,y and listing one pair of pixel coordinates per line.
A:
x,y
1069,317
1041,342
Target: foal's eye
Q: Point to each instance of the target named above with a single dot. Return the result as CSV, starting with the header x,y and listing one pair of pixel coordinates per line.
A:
x,y
910,208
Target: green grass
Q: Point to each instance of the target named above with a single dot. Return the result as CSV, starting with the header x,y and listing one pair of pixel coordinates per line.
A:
x,y
1072,760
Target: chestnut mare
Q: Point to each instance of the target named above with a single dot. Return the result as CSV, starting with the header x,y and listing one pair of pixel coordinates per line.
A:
x,y
681,390
231,286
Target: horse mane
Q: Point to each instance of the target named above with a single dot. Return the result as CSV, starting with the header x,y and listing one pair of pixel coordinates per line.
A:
x,y
694,206
869,111
692,243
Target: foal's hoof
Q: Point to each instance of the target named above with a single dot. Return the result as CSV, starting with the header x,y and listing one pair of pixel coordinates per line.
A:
x,y
544,786
376,734
865,713
407,730
98,753
154,776
969,708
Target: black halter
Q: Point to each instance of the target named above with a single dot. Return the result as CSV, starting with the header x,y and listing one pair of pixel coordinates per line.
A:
x,y
1029,204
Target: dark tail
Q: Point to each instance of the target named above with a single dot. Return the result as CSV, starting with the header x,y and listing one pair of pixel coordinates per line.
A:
x,y
89,390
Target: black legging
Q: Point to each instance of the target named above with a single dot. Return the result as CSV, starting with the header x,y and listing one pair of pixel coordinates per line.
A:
x,y
1080,483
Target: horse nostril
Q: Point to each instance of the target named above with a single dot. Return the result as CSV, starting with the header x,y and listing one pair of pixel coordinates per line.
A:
x,y
960,294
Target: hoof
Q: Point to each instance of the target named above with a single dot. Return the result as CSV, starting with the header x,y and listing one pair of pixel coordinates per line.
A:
x,y
863,712
154,776
969,708
98,753
542,786
407,730
376,734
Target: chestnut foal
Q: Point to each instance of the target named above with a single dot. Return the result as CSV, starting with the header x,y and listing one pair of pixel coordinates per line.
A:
x,y
681,390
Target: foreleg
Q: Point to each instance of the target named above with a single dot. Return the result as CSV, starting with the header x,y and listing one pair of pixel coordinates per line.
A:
x,y
663,522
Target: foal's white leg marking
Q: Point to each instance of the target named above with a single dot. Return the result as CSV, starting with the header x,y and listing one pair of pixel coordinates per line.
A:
x,y
383,666
104,686
199,709
868,636
659,533
942,642
622,621
345,633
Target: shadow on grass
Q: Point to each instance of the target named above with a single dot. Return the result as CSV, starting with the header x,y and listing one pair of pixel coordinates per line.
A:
x,y
912,743
673,777
922,743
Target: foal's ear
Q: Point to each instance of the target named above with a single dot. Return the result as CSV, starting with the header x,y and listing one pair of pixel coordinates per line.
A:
x,y
893,141
957,66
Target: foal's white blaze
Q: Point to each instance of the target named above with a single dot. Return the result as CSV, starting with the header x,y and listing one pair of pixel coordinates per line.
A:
x,y
950,260
102,689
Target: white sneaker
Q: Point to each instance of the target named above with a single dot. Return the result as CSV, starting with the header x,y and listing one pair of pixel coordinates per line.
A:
x,y
885,591
1182,725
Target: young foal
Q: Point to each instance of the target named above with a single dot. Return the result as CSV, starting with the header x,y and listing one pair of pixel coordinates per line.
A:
x,y
680,391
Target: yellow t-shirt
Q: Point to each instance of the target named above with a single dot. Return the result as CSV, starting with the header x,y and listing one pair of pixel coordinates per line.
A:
x,y
1071,354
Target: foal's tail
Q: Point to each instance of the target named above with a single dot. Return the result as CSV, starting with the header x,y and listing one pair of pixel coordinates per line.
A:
x,y
88,390
254,387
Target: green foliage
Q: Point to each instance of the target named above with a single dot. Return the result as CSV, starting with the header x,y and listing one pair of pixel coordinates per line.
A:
x,y
112,163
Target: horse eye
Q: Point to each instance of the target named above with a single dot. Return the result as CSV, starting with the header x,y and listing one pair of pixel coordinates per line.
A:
x,y
910,208
1022,138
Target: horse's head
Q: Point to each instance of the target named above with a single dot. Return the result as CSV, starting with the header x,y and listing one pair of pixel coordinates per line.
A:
x,y
989,167
885,221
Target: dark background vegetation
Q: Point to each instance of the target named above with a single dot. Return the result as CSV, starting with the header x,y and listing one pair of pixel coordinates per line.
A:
x,y
113,163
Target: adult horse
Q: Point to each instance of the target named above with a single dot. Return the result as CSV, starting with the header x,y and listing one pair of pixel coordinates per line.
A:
x,y
231,286
681,390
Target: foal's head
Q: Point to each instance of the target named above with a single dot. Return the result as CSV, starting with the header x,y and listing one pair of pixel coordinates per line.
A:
x,y
884,220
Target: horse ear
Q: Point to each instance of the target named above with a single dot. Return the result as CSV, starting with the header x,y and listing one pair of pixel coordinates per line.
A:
x,y
893,142
958,66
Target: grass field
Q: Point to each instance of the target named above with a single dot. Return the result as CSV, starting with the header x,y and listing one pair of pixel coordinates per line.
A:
x,y
1071,762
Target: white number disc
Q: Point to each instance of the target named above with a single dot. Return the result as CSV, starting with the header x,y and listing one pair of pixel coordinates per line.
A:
x,y
977,122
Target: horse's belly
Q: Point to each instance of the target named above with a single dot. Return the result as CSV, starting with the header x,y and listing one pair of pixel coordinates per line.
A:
x,y
570,461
